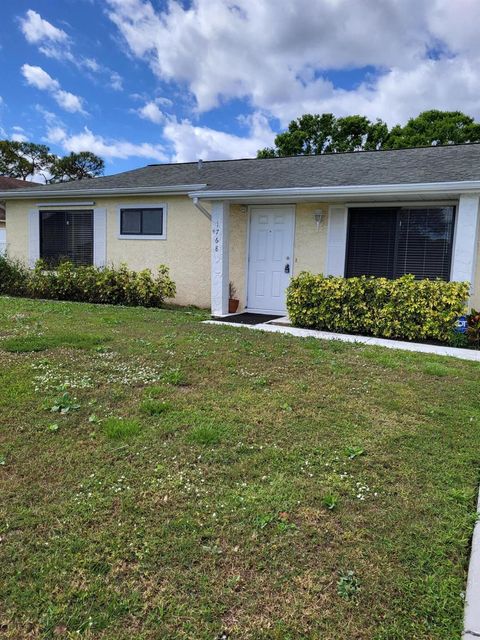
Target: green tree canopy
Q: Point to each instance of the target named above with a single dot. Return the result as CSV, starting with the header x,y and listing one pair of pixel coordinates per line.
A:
x,y
25,159
313,134
77,166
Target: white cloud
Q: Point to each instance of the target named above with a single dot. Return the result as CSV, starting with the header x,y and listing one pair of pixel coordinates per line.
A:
x,y
37,30
108,148
425,53
192,142
151,111
40,79
55,43
116,81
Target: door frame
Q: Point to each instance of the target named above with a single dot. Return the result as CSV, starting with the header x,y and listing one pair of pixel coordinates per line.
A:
x,y
292,209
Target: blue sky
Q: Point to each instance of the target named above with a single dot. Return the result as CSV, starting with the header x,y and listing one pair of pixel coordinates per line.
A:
x,y
140,81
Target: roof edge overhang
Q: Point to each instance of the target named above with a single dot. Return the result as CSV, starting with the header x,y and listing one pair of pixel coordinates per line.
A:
x,y
349,191
31,193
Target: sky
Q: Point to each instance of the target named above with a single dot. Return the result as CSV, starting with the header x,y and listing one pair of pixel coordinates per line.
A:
x,y
146,81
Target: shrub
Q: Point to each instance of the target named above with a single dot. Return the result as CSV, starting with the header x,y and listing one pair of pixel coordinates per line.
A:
x,y
403,308
13,276
107,285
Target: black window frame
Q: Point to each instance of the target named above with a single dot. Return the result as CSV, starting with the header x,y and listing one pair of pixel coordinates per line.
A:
x,y
397,211
68,255
141,210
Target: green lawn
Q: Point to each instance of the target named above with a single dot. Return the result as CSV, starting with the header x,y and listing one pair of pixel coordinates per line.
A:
x,y
164,479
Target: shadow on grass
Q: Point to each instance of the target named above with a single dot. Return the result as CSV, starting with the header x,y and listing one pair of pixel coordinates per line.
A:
x,y
30,344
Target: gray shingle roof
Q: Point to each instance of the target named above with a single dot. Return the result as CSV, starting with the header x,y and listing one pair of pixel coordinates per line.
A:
x,y
404,166
14,183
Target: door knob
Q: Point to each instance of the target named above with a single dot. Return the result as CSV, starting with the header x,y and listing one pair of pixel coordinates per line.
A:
x,y
287,268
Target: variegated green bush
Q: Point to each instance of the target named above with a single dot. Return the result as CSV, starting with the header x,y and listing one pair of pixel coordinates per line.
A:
x,y
108,285
402,308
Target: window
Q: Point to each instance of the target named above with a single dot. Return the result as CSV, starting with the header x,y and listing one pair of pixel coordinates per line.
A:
x,y
142,221
66,235
391,242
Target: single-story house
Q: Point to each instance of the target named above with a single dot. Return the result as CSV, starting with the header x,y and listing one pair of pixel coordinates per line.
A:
x,y
258,222
6,184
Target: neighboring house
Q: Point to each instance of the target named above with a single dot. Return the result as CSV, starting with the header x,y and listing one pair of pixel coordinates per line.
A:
x,y
258,222
7,183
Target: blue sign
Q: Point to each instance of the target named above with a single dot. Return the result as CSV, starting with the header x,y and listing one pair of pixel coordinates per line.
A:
x,y
461,325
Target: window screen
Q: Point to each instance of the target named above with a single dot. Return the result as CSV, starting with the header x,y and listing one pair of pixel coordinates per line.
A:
x,y
141,222
391,242
66,235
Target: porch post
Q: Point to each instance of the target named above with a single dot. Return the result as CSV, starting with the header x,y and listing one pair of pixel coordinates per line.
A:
x,y
220,246
465,239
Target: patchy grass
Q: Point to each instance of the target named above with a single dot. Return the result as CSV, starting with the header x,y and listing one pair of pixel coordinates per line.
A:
x,y
257,485
120,429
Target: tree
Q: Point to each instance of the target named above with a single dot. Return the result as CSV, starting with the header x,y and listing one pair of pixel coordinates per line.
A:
x,y
314,134
77,166
25,159
12,163
434,128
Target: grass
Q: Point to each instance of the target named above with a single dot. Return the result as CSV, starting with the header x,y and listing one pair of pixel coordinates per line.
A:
x,y
161,478
120,429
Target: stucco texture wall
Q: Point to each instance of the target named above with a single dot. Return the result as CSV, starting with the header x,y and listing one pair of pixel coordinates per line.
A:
x,y
310,248
238,251
186,249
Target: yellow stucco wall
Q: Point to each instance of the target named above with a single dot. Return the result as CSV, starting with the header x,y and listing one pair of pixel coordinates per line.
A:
x,y
186,250
310,249
238,251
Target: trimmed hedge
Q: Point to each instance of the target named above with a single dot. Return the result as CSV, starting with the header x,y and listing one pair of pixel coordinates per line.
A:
x,y
105,285
403,308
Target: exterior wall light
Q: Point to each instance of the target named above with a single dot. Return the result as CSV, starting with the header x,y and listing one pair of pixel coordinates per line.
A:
x,y
318,217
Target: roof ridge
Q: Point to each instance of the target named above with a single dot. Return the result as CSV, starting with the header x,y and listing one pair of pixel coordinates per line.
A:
x,y
314,155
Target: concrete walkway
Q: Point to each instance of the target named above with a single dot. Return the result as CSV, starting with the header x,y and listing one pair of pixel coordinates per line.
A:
x,y
463,354
472,596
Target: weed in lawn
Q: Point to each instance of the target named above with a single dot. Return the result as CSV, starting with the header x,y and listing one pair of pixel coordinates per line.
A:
x,y
120,428
348,585
53,427
261,522
64,404
206,434
436,369
354,452
154,407
175,377
154,392
330,501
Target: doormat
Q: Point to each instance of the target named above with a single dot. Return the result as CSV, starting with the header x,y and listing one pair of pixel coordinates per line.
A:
x,y
248,318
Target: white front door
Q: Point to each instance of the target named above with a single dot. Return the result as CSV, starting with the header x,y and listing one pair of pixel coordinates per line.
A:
x,y
270,262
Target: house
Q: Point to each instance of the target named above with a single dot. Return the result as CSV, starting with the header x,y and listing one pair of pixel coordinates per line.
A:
x,y
257,222
7,183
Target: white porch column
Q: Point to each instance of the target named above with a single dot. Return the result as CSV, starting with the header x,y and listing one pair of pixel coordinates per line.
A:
x,y
220,246
465,239
336,240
